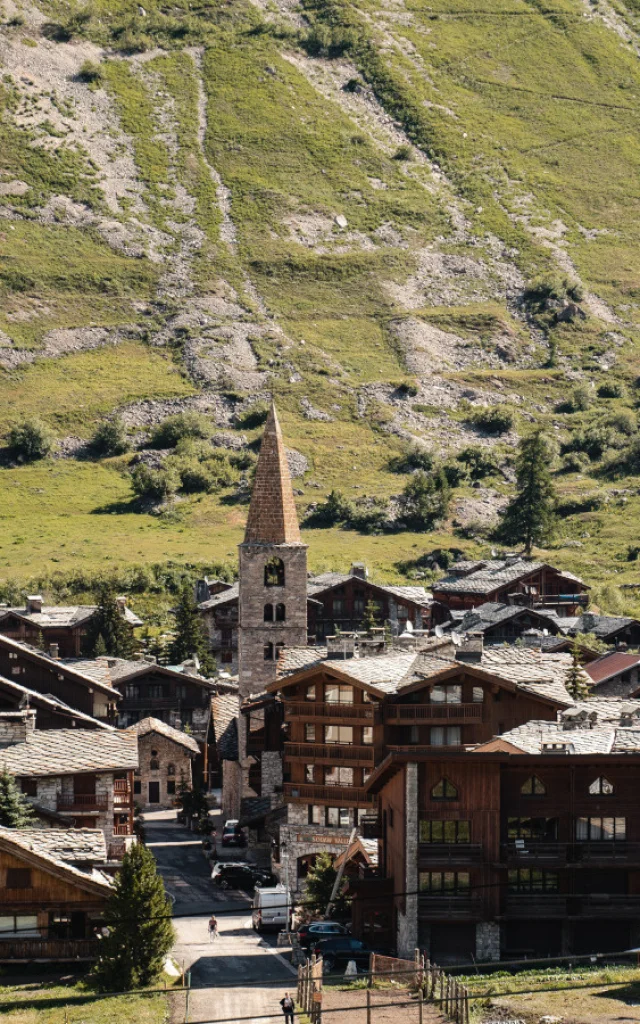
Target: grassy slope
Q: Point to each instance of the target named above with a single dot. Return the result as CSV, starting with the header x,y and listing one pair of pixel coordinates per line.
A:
x,y
71,1004
525,102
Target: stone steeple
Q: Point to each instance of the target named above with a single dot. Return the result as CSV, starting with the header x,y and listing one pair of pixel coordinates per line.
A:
x,y
272,512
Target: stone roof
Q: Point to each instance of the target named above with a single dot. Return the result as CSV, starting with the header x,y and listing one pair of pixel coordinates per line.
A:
x,y
63,616
551,737
148,725
609,665
601,626
38,846
123,669
293,659
223,597
47,700
272,518
328,580
67,751
69,668
485,577
492,613
537,672
95,668
225,712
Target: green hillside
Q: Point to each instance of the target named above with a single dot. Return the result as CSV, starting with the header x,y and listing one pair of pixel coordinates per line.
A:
x,y
396,216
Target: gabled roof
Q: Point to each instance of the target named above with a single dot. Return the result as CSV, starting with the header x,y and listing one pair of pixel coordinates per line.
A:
x,y
552,738
609,665
494,613
272,518
56,665
602,626
229,596
123,670
37,847
487,576
153,725
63,616
329,580
50,703
68,751
367,848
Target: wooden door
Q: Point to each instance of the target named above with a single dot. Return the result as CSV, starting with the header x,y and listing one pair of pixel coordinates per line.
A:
x,y
154,792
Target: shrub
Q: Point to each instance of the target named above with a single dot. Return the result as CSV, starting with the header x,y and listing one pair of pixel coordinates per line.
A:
x,y
633,551
336,509
253,417
623,421
403,152
370,519
154,484
594,441
415,457
426,500
30,440
455,473
549,288
90,73
196,477
172,430
479,462
610,389
353,85
496,420
326,41
578,401
110,438
574,462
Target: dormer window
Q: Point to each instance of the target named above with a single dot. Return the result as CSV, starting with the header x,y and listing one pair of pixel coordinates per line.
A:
x,y
601,787
533,786
444,790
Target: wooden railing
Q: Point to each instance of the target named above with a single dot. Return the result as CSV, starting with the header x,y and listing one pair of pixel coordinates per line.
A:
x,y
445,852
537,904
405,713
449,906
343,712
33,897
48,949
82,802
336,796
334,753
417,750
122,830
121,786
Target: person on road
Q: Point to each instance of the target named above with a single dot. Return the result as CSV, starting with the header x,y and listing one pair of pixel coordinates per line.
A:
x,y
213,928
288,1008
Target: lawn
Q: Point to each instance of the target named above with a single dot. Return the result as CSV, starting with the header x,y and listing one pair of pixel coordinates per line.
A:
x,y
74,1004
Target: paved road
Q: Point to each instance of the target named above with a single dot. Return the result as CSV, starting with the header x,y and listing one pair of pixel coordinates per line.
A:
x,y
241,976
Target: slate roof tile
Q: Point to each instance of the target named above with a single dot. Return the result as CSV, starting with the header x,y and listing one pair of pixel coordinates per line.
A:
x,y
67,751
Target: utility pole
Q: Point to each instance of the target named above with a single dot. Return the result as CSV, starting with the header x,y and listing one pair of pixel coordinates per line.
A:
x,y
336,884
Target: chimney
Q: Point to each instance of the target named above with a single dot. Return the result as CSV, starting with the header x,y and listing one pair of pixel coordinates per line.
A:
x,y
202,590
34,604
340,648
471,648
359,570
54,651
16,726
121,604
511,558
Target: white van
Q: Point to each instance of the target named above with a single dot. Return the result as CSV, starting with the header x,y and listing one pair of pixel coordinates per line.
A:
x,y
271,908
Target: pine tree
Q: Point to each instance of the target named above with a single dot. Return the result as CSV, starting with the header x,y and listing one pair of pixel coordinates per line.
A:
x,y
529,516
138,917
320,881
190,636
108,632
575,682
15,810
370,618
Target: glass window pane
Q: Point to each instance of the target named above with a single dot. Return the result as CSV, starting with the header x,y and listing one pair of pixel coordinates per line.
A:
x,y
449,881
27,924
436,881
453,735
7,924
453,694
621,828
463,880
331,734
344,817
437,736
478,695
332,816
449,831
332,694
608,826
464,832
310,733
582,829
311,692
425,882
367,734
346,694
438,695
425,831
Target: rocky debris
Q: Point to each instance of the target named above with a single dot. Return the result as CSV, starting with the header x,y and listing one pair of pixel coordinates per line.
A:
x,y
481,511
233,442
149,412
65,341
311,413
13,188
71,448
298,463
444,279
153,458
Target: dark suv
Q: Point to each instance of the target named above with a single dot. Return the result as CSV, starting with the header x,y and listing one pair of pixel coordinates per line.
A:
x,y
337,951
239,876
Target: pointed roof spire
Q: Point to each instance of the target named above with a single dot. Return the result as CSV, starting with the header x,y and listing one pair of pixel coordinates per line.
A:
x,y
272,513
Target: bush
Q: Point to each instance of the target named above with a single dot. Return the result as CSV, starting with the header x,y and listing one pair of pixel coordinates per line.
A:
x,y
610,389
325,41
154,484
623,421
479,462
633,551
172,430
253,417
574,462
336,509
543,291
90,73
497,420
110,438
403,152
594,441
196,478
415,457
370,519
578,401
30,440
455,473
426,500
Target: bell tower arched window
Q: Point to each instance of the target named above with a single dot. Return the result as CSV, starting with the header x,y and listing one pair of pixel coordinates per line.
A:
x,y
268,613
268,652
274,573
280,613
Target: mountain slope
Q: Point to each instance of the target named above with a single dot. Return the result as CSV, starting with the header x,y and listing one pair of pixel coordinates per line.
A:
x,y
342,204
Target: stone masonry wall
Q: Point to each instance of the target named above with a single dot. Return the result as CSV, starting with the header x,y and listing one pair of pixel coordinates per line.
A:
x,y
616,687
169,755
407,939
487,941
271,772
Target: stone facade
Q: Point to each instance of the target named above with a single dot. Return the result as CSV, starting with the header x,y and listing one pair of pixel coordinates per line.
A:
x,y
302,840
49,788
619,686
407,938
164,766
271,772
487,941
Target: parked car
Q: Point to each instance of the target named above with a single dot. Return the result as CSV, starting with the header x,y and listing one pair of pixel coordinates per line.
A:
x,y
317,930
238,876
339,950
231,823
220,864
233,836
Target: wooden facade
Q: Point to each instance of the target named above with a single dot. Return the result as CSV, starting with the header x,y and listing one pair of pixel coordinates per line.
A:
x,y
543,588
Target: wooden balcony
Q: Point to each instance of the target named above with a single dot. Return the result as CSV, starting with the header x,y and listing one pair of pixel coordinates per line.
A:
x,y
55,950
420,750
37,897
603,905
534,851
536,904
333,796
454,907
431,854
408,714
331,753
122,830
344,714
85,802
604,853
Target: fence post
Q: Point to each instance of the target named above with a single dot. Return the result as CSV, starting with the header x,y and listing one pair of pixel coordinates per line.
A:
x,y
368,1006
420,1007
466,1006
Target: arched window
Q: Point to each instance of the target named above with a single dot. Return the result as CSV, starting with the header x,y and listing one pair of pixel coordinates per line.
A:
x,y
268,613
280,613
171,769
444,790
601,787
268,652
154,764
533,786
279,650
274,573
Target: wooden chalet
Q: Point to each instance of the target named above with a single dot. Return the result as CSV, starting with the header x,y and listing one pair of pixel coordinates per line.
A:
x,y
61,628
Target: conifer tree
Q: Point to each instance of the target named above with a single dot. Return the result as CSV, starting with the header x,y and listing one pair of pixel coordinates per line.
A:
x,y
370,618
190,636
320,881
138,918
108,632
575,682
15,810
529,516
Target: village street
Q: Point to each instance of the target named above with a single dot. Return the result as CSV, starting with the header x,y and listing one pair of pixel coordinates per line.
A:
x,y
242,975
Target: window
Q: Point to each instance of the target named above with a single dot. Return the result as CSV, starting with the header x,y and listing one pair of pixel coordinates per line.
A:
x,y
367,735
29,787
358,603
314,814
444,790
310,692
156,691
226,637
445,735
545,829
132,691
338,776
19,924
365,775
449,694
337,817
18,878
181,691
445,831
338,694
226,657
268,613
171,769
478,695
171,787
445,883
137,787
339,606
279,649
268,652
533,786
310,732
414,734
280,613
532,880
338,734
308,772
274,573
601,829
154,764
599,787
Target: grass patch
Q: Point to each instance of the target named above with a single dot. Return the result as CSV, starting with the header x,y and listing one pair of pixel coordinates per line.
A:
x,y
75,1004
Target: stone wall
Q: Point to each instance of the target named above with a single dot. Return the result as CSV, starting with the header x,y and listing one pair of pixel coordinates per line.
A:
x,y
302,840
271,772
616,687
487,941
407,937
231,788
174,763
15,726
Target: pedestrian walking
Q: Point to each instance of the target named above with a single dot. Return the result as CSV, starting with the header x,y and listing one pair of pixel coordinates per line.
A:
x,y
213,928
288,1008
